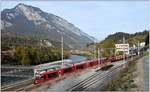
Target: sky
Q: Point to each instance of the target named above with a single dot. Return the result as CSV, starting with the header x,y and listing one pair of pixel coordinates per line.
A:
x,y
96,18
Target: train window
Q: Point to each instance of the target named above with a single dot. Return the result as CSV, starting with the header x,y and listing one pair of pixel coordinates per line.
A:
x,y
80,67
52,75
68,70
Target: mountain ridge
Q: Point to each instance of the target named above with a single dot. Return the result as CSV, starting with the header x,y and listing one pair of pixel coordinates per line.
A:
x,y
29,20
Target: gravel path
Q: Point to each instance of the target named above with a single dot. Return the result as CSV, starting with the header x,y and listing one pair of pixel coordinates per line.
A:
x,y
142,79
146,73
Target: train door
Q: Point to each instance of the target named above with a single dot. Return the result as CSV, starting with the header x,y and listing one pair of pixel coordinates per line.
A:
x,y
44,77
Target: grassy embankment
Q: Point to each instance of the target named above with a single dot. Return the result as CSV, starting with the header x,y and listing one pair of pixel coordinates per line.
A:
x,y
124,81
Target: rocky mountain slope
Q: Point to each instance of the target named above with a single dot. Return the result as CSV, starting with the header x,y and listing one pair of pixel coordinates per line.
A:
x,y
31,21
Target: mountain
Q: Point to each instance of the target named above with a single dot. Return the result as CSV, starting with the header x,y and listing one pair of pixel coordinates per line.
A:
x,y
25,20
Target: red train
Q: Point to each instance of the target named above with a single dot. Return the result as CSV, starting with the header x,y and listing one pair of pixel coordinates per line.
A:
x,y
50,75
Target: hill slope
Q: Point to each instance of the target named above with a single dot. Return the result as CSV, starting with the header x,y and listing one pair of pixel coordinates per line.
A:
x,y
130,38
31,21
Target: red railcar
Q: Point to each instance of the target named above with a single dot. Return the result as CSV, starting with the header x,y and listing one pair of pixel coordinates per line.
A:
x,y
96,62
67,70
118,58
91,63
112,59
81,66
102,60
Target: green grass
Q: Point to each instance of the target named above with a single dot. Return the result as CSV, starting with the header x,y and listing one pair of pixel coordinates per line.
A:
x,y
146,53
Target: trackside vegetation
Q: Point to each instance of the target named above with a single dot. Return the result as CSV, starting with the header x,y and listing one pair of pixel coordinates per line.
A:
x,y
124,81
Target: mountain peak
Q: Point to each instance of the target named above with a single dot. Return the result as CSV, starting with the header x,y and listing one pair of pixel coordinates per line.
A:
x,y
24,6
30,12
20,6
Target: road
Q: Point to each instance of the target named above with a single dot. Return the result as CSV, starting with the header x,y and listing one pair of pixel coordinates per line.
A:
x,y
146,73
142,74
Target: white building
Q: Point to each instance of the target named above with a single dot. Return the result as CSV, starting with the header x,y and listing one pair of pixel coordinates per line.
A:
x,y
122,47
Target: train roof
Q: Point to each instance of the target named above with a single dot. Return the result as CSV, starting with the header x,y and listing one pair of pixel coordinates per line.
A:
x,y
52,65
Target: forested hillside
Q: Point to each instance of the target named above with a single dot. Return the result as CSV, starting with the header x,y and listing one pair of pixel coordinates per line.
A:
x,y
30,36
130,38
111,40
12,39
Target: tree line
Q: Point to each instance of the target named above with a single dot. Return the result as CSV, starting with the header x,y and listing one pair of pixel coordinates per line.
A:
x,y
32,55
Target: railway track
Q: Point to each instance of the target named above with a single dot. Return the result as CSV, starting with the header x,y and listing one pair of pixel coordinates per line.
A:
x,y
13,87
26,85
93,79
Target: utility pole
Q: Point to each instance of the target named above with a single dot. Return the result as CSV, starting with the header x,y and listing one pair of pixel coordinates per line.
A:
x,y
98,56
62,50
124,48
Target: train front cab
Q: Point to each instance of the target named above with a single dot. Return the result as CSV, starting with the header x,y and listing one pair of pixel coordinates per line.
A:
x,y
39,79
46,76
